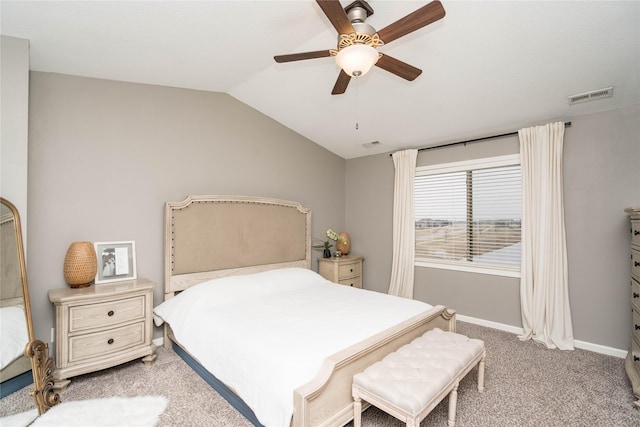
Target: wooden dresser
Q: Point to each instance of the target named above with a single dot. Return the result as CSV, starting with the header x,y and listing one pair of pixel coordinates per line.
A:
x,y
102,326
346,270
632,363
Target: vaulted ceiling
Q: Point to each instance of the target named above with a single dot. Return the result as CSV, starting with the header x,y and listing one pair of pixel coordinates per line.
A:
x,y
488,67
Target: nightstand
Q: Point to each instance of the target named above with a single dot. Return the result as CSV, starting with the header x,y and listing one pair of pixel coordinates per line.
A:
x,y
102,326
346,270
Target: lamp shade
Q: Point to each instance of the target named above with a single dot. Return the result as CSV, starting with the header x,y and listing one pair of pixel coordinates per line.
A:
x,y
357,59
80,264
343,244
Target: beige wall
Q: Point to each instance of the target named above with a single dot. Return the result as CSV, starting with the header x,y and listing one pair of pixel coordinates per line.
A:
x,y
14,129
104,156
602,177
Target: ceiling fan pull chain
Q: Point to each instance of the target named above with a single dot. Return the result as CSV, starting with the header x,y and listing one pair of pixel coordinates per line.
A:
x,y
357,110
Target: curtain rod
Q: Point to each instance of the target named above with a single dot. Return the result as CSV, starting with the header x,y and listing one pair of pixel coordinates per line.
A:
x,y
566,124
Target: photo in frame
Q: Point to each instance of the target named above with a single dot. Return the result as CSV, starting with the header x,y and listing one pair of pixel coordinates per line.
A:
x,y
116,261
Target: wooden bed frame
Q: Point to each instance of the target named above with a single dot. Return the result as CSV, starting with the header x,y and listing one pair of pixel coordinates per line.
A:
x,y
208,237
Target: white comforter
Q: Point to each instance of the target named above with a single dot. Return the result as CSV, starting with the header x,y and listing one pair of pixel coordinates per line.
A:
x,y
13,330
266,334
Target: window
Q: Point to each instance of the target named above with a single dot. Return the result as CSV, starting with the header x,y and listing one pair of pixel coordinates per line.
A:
x,y
468,215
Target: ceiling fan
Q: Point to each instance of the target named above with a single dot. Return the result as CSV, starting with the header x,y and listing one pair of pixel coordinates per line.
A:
x,y
357,46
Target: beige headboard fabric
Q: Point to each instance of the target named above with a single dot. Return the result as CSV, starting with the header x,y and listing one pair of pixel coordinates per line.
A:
x,y
207,235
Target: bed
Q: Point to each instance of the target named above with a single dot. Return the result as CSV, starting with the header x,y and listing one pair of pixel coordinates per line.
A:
x,y
241,256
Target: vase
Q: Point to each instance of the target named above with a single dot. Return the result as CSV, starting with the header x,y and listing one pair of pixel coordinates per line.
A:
x,y
346,246
326,253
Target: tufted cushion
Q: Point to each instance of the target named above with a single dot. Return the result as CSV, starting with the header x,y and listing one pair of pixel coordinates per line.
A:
x,y
411,376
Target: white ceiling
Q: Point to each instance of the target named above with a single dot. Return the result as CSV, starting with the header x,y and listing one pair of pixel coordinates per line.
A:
x,y
488,67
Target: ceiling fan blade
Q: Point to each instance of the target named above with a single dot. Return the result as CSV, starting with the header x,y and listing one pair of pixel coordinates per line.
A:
x,y
414,21
341,84
336,14
301,56
397,67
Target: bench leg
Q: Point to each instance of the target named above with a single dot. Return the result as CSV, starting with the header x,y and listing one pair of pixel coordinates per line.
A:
x,y
357,412
481,374
453,401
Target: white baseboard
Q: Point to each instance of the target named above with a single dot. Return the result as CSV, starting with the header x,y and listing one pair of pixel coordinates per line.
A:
x,y
597,348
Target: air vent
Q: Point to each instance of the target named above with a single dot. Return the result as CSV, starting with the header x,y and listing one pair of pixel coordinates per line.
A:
x,y
591,96
371,144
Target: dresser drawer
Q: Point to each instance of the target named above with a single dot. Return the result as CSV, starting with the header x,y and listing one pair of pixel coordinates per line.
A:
x,y
635,354
635,262
92,316
635,233
635,295
102,344
355,282
349,270
635,328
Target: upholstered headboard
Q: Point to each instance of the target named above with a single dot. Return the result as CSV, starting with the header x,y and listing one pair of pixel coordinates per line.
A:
x,y
215,236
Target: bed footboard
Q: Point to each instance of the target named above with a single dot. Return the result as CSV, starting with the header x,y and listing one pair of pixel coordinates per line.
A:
x,y
326,400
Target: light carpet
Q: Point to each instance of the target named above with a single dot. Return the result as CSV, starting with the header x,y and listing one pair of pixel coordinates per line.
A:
x,y
140,411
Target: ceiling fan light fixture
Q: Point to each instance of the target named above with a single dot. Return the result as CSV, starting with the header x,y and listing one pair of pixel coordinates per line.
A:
x,y
356,60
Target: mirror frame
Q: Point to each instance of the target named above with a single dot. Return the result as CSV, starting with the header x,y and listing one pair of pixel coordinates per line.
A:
x,y
21,264
38,351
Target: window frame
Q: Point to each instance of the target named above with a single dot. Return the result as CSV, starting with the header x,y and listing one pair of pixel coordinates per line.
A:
x,y
467,165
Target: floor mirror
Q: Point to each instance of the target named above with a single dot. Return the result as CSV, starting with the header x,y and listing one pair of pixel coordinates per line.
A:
x,y
23,359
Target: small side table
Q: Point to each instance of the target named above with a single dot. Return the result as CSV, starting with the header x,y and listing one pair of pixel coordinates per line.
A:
x,y
346,270
102,326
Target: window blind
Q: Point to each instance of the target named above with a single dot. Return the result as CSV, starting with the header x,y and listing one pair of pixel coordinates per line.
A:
x,y
469,214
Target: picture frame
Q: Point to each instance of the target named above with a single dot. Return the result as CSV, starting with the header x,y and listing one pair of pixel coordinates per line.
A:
x,y
116,261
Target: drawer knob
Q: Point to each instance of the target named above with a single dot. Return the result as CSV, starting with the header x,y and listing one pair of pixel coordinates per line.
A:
x,y
110,341
110,313
637,327
636,264
636,358
636,295
636,232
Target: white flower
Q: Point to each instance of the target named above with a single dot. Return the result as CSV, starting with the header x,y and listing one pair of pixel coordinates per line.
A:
x,y
335,236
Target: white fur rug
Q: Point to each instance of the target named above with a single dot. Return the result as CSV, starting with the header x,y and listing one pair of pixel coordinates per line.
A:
x,y
141,411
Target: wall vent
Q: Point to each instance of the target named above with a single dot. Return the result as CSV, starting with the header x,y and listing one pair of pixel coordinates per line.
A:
x,y
591,96
371,144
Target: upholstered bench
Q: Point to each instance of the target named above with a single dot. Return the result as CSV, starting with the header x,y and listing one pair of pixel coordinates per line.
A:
x,y
411,381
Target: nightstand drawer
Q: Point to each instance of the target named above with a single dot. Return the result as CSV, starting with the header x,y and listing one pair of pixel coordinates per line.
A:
x,y
355,282
635,327
635,262
104,343
349,270
635,295
94,316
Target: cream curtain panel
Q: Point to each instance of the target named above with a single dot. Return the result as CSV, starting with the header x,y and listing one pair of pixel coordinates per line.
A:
x,y
403,224
544,286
